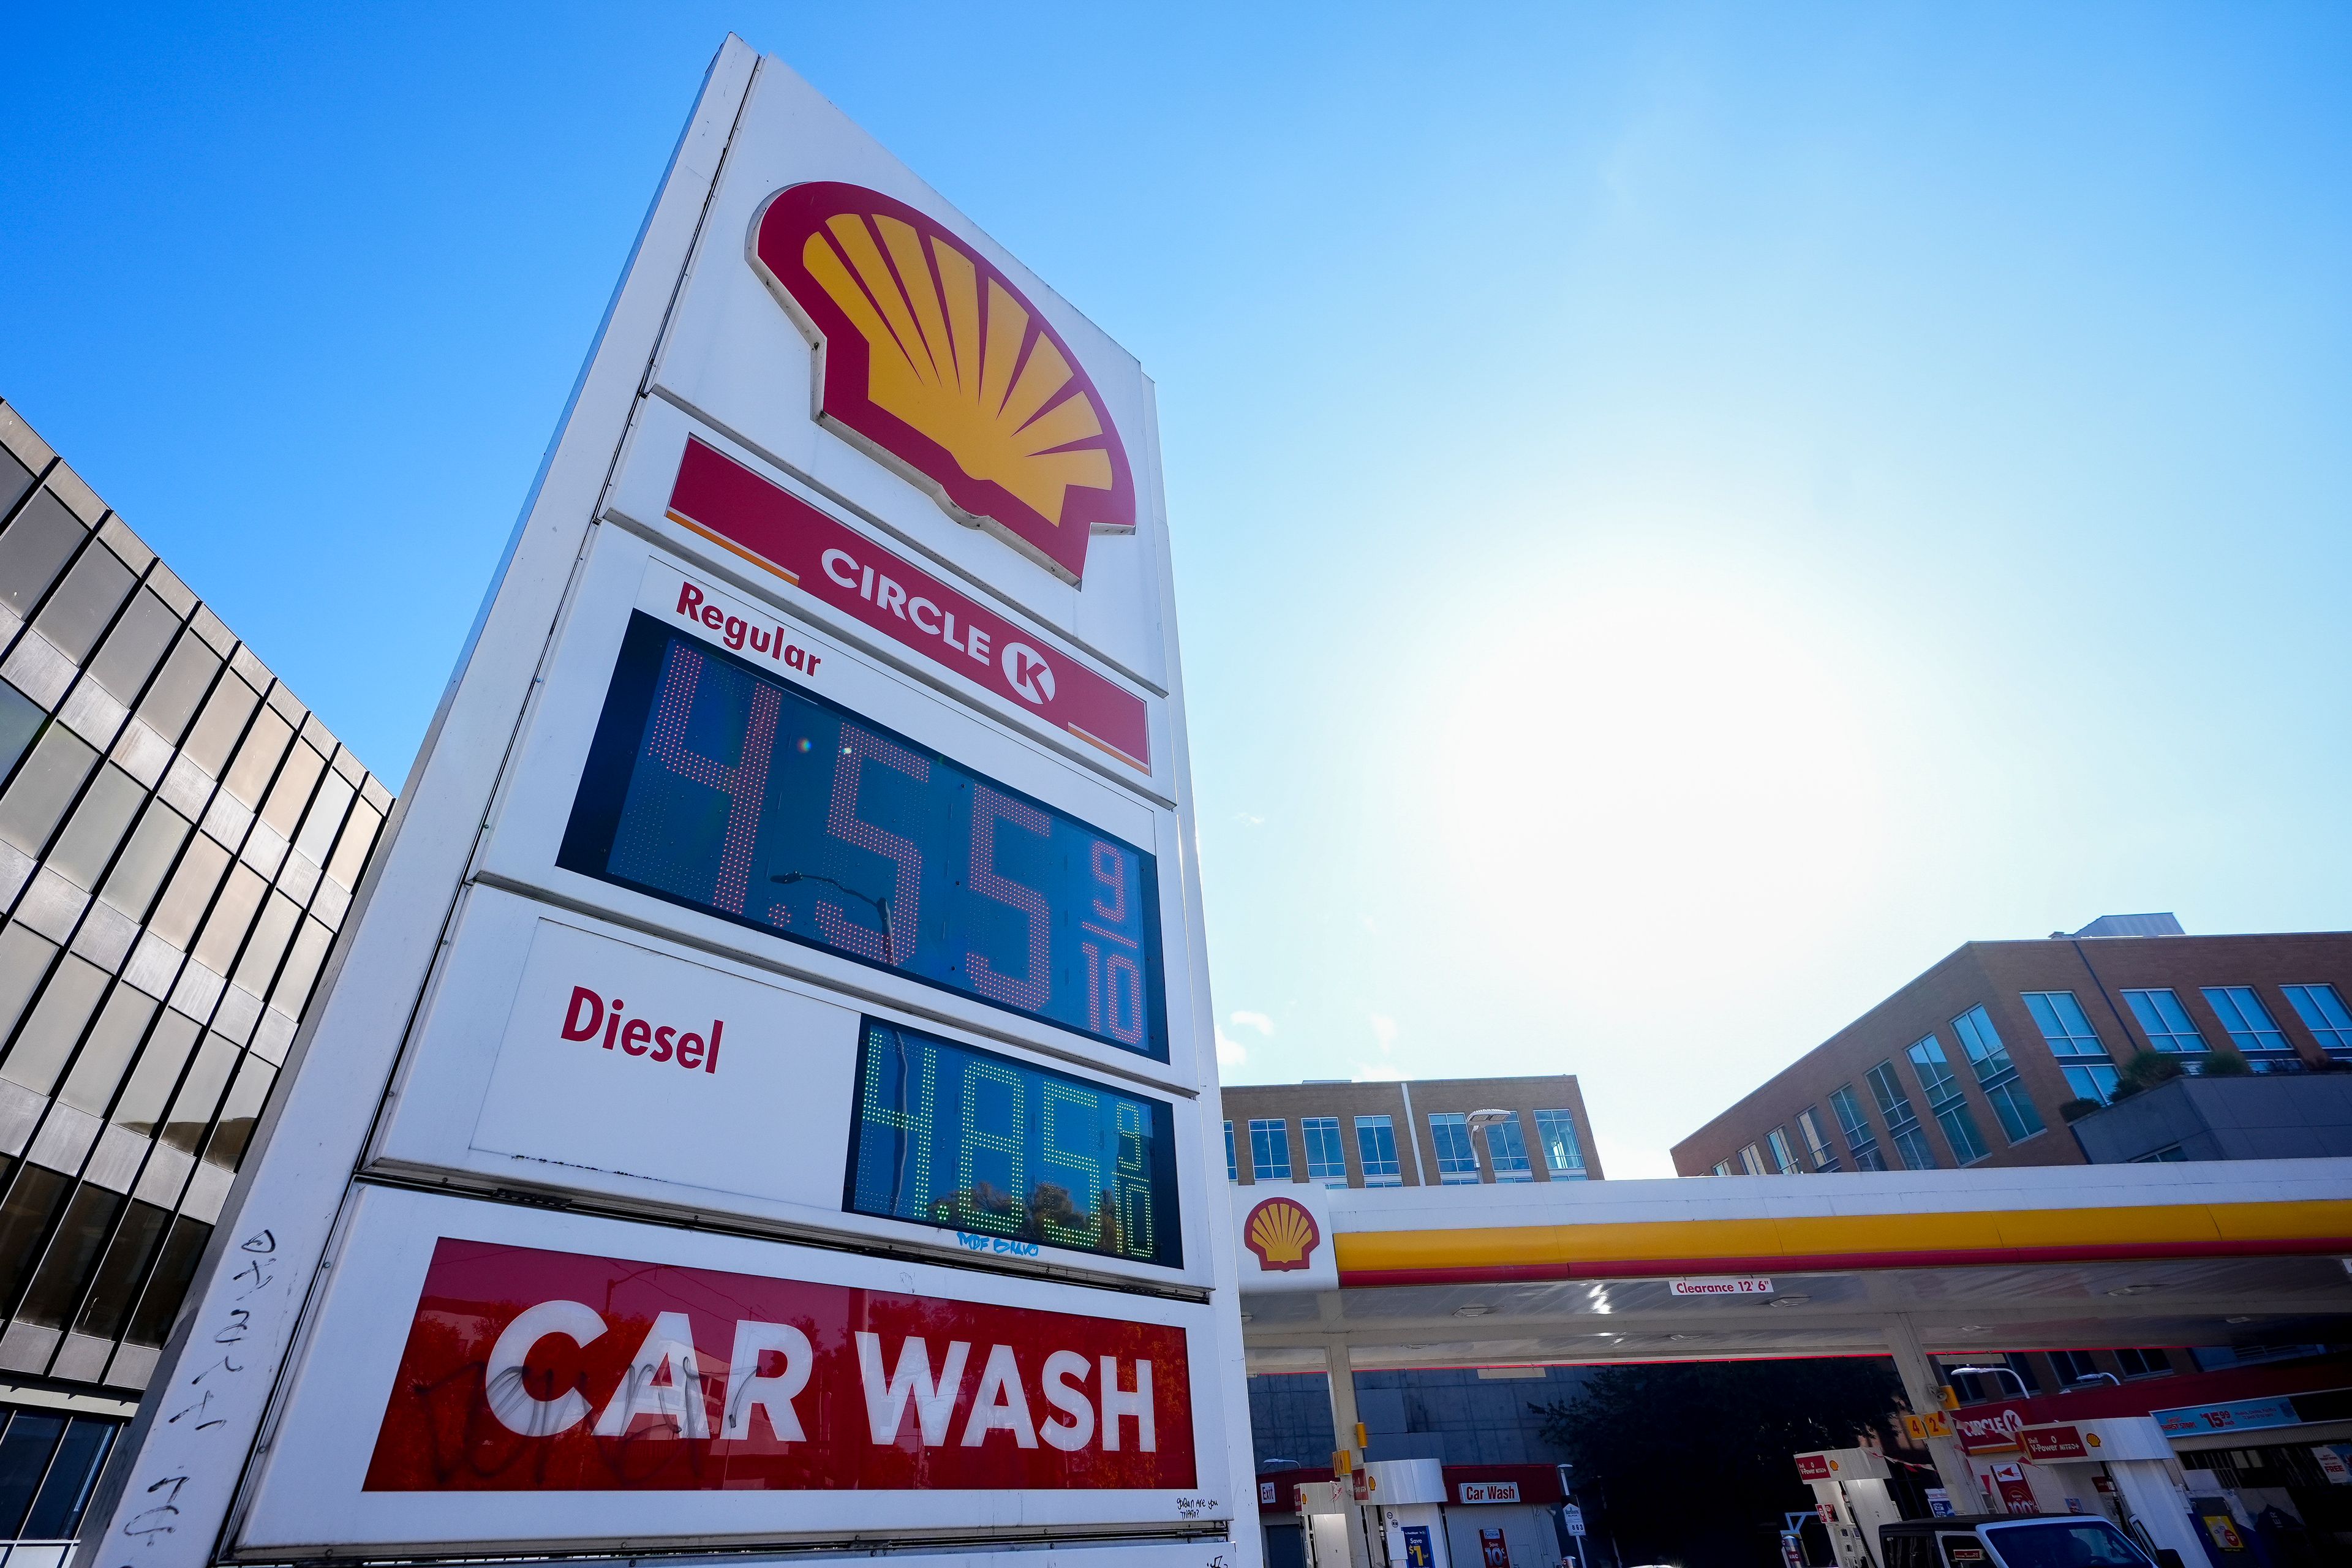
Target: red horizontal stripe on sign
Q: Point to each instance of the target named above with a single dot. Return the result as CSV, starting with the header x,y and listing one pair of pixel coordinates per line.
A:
x,y
725,501
533,1370
1836,1262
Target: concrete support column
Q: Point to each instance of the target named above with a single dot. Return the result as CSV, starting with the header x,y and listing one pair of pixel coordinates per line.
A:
x,y
1343,1394
1924,1390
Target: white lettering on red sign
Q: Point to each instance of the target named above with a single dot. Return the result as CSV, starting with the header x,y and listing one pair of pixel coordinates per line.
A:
x,y
732,506
606,1374
1996,1429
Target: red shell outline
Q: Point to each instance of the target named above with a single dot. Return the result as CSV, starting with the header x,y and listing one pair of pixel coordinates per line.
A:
x,y
1305,1253
779,229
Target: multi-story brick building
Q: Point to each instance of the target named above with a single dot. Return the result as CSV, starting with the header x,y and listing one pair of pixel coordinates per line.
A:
x,y
180,841
1421,1133
1977,1060
1425,1132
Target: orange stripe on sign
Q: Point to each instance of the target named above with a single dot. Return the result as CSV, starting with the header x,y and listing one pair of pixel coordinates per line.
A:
x,y
1654,1248
720,540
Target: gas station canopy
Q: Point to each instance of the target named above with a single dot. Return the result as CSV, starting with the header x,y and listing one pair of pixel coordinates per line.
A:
x,y
1966,1261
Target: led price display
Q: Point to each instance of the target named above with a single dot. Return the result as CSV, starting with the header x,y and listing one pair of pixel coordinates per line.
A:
x,y
716,785
948,1135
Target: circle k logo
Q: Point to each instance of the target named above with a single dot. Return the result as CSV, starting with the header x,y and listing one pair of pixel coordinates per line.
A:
x,y
1031,676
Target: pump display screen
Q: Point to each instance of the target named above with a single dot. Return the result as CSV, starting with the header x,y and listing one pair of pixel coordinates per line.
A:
x,y
716,785
1005,1152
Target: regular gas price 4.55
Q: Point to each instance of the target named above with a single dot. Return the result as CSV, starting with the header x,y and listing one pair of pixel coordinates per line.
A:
x,y
948,1135
716,785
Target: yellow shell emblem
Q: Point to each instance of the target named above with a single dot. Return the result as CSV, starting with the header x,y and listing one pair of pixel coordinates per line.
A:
x,y
933,359
1282,1232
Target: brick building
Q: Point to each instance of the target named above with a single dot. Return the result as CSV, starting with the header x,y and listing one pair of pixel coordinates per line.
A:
x,y
1974,1061
1409,1134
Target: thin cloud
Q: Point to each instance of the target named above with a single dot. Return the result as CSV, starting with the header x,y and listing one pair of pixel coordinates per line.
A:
x,y
1258,1021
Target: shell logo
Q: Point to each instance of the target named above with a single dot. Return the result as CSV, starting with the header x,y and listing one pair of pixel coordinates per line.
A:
x,y
1282,1232
933,361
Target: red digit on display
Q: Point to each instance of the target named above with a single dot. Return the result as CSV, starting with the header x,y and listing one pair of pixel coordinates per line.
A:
x,y
894,941
744,782
1110,870
1030,991
1126,1000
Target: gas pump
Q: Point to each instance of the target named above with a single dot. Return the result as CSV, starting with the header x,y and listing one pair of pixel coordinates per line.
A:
x,y
1332,1524
1851,1496
1408,1497
1385,1515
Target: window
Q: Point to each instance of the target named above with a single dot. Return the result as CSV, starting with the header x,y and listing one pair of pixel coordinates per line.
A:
x,y
2166,1022
2073,1366
2323,1013
1997,1074
1506,1151
1783,1160
1233,1161
1817,1144
2170,1154
1943,1102
1376,1147
21,719
1270,1148
48,1463
2143,1362
1563,1155
1751,1160
1722,1168
1326,1161
2081,1055
1902,1121
1859,1141
1457,1161
2049,1543
2251,1028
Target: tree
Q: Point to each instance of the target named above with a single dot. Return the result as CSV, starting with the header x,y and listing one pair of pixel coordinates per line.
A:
x,y
1690,1462
2145,1071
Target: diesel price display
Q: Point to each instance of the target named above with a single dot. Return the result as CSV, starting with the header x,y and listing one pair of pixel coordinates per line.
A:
x,y
714,784
948,1135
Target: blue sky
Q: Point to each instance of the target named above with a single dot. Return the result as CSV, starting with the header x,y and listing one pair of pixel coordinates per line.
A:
x,y
1682,514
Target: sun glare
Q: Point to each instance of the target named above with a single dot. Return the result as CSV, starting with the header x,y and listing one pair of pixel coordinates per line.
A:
x,y
1648,758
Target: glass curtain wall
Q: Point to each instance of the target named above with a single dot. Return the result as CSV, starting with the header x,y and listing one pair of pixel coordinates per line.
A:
x,y
180,840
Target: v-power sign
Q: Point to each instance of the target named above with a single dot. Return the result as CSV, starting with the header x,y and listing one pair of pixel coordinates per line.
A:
x,y
763,1097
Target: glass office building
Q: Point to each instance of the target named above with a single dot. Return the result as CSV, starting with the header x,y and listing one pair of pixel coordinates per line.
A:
x,y
180,841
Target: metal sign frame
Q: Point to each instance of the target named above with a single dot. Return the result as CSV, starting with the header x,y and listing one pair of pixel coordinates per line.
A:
x,y
287,1317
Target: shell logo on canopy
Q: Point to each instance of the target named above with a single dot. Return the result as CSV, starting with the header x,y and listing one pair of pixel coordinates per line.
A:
x,y
1282,1232
934,360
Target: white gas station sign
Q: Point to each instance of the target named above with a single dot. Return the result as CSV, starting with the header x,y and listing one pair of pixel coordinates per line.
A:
x,y
764,1077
